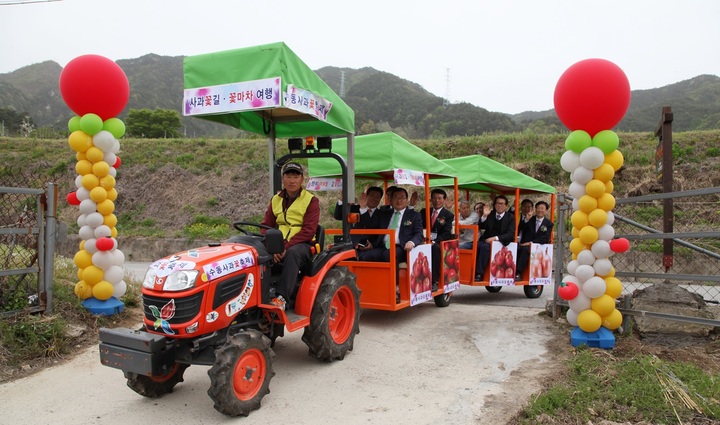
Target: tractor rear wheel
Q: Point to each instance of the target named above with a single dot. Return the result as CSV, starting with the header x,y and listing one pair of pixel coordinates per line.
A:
x,y
155,386
241,374
335,316
533,291
442,300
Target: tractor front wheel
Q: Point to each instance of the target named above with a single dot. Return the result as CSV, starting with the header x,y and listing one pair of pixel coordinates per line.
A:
x,y
335,316
155,386
241,374
493,289
533,291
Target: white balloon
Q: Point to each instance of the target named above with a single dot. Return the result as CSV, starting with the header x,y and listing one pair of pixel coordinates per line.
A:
x,y
115,147
102,259
569,161
119,289
102,231
88,206
78,181
584,272
571,317
585,257
602,266
592,157
82,194
580,303
82,220
570,278
110,158
577,190
103,140
119,257
582,175
606,232
86,232
114,273
610,218
601,249
90,245
594,287
576,204
113,172
95,219
572,266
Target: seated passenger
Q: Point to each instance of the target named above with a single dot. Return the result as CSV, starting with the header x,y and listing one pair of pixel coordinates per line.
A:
x,y
466,218
526,213
368,217
537,230
498,225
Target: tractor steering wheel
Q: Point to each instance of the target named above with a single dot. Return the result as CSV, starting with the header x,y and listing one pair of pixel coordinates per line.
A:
x,y
238,226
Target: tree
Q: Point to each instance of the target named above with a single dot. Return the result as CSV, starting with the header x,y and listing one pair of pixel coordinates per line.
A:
x,y
157,124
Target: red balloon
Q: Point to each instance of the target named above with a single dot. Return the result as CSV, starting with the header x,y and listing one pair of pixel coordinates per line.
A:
x,y
72,198
568,290
592,95
105,244
117,163
94,84
619,245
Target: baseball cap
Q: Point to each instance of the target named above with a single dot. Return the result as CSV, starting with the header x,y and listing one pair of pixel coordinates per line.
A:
x,y
292,167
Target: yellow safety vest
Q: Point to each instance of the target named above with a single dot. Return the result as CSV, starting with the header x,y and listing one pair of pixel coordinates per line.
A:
x,y
290,221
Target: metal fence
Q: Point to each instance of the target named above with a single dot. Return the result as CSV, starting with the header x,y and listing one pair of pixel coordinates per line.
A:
x,y
695,260
27,244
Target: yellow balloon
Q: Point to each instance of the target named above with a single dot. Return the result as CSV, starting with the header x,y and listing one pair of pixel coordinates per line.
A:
x,y
106,206
595,188
615,159
613,320
577,245
579,219
95,154
575,232
112,194
79,273
604,173
609,186
82,245
613,287
101,169
89,181
108,182
80,141
83,259
110,220
587,204
103,290
81,156
606,202
83,167
83,290
611,274
113,232
597,218
603,305
98,194
589,321
588,235
92,275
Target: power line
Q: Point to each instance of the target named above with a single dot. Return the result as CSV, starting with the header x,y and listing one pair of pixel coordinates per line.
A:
x,y
14,2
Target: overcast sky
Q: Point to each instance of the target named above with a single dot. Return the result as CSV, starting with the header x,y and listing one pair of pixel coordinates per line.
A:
x,y
502,55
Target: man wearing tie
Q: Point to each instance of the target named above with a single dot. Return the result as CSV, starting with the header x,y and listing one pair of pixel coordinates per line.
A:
x,y
441,229
498,225
368,215
537,230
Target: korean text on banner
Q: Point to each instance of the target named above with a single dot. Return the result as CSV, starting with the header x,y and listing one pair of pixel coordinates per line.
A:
x,y
242,96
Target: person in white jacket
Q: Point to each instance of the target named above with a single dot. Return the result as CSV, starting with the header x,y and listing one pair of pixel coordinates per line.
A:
x,y
466,217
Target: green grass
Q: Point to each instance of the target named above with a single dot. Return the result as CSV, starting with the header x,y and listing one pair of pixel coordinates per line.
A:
x,y
600,386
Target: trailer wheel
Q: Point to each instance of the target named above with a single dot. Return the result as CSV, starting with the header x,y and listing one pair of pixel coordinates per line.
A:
x,y
241,374
155,386
442,300
493,289
533,291
335,316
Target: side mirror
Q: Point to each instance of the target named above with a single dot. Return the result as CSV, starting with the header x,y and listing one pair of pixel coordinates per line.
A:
x,y
274,242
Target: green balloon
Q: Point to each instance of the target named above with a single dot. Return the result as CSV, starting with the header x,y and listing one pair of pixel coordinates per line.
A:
x,y
74,124
91,124
606,140
115,126
578,141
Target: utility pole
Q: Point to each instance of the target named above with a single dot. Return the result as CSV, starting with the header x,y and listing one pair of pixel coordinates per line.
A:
x,y
342,83
446,101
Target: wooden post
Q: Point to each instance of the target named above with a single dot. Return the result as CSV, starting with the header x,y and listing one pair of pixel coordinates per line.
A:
x,y
664,167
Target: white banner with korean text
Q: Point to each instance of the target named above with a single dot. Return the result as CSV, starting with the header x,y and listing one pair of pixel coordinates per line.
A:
x,y
241,96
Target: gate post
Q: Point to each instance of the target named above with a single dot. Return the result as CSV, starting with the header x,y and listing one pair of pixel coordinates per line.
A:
x,y
48,266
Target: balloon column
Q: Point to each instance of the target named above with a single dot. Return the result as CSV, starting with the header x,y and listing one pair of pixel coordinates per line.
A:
x,y
97,90
590,98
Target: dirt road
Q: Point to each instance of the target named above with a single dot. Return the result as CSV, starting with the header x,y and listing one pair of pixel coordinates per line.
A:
x,y
469,363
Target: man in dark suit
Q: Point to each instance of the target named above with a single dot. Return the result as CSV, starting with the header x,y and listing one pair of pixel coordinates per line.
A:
x,y
498,225
441,229
408,232
368,214
537,230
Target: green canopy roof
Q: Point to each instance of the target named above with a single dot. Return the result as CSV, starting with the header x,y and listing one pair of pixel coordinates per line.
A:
x,y
378,155
477,172
251,87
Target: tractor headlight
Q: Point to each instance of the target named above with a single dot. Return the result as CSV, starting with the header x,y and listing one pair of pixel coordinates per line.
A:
x,y
176,281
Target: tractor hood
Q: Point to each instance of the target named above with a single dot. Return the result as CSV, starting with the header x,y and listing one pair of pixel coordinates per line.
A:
x,y
212,262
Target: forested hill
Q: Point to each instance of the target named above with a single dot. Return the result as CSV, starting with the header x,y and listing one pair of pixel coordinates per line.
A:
x,y
381,101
